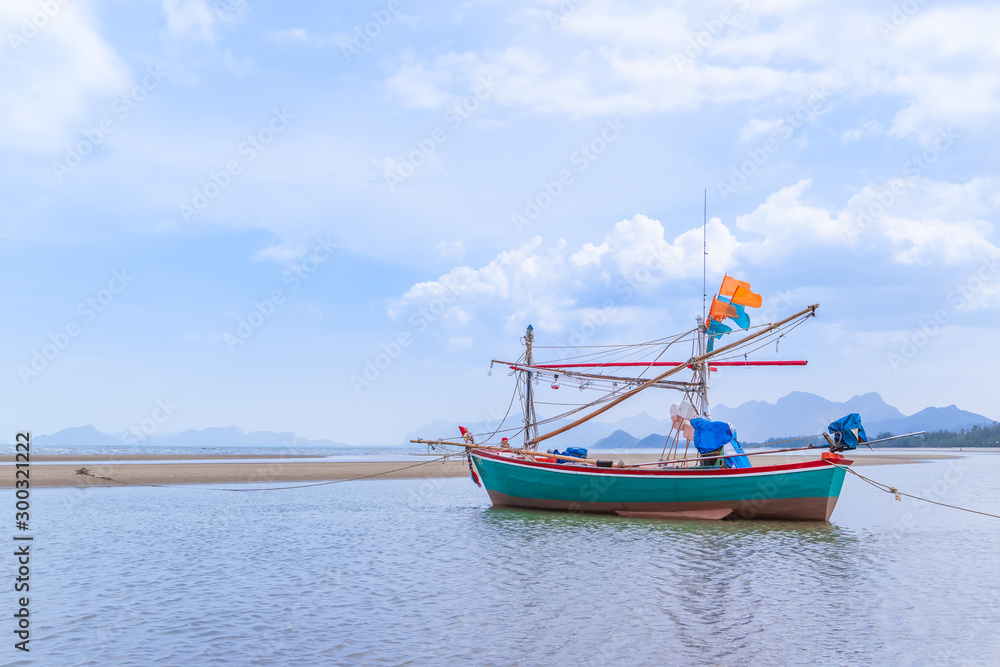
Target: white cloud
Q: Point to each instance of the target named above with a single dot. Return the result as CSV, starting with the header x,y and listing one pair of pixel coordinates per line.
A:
x,y
238,65
290,35
606,83
638,246
927,241
51,72
306,38
459,343
450,249
653,27
293,247
417,87
916,221
866,128
552,285
850,136
946,61
941,65
758,127
491,281
200,21
589,255
784,222
281,253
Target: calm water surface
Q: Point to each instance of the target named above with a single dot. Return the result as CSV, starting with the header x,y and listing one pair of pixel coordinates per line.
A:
x,y
425,572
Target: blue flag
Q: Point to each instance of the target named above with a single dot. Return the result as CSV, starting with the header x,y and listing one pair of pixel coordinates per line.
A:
x,y
715,330
742,320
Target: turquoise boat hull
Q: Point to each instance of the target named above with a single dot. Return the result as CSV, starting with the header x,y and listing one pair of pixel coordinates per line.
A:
x,y
794,492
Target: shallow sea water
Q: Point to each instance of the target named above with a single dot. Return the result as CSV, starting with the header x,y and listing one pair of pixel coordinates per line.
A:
x,y
426,572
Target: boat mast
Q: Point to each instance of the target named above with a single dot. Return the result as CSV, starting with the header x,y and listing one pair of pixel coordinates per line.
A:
x,y
530,421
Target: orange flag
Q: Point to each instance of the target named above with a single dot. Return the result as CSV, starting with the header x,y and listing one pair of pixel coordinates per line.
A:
x,y
744,297
720,310
729,286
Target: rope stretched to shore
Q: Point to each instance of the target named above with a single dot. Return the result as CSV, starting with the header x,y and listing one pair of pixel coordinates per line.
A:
x,y
893,490
84,471
338,481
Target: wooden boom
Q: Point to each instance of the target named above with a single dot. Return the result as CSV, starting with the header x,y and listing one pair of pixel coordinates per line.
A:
x,y
492,448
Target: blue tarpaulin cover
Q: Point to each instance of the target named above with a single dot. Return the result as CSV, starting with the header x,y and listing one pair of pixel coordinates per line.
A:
x,y
710,437
848,432
579,452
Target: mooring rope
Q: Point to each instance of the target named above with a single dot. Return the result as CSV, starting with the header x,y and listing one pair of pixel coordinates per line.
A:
x,y
893,490
84,471
338,481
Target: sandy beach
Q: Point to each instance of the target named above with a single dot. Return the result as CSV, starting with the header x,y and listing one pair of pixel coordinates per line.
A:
x,y
55,458
218,469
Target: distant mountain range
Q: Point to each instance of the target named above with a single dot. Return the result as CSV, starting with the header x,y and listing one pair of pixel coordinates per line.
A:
x,y
801,413
88,436
797,414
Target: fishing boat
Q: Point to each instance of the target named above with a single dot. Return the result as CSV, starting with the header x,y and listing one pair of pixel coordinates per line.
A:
x,y
708,477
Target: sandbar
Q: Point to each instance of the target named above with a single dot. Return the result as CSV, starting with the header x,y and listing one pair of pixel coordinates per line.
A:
x,y
55,458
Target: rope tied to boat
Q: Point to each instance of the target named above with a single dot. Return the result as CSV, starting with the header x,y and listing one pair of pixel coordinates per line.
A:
x,y
340,481
899,494
88,473
442,459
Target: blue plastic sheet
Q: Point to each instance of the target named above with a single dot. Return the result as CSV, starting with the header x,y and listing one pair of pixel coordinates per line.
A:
x,y
710,437
579,452
848,432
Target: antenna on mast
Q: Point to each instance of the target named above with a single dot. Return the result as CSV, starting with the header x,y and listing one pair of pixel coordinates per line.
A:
x,y
702,333
704,259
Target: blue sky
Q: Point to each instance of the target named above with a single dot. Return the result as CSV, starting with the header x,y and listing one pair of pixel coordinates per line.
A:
x,y
423,182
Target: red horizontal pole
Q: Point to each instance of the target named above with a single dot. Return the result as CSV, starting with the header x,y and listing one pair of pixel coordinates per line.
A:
x,y
623,364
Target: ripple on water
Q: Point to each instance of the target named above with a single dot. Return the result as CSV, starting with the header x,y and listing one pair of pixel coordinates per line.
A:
x,y
424,571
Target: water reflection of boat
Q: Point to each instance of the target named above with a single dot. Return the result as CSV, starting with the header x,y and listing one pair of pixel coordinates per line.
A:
x,y
716,481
